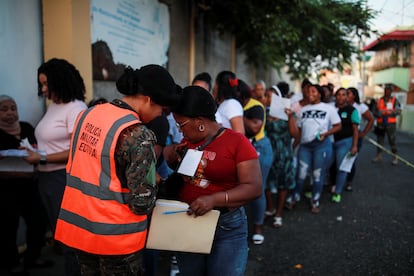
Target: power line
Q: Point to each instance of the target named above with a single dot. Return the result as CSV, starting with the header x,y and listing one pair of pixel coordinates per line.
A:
x,y
383,5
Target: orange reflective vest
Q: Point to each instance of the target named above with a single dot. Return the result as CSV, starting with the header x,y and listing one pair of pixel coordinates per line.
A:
x,y
382,106
94,215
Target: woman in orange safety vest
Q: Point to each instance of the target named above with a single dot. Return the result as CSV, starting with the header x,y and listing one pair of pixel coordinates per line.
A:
x,y
111,179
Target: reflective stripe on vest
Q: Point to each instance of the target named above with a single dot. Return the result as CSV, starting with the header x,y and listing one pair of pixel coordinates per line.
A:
x,y
94,215
383,107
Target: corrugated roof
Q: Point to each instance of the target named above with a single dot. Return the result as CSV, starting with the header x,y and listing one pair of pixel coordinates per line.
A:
x,y
384,40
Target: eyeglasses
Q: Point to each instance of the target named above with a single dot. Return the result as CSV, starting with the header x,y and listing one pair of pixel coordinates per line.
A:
x,y
182,124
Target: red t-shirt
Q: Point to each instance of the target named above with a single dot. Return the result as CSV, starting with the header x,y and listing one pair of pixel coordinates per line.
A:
x,y
217,170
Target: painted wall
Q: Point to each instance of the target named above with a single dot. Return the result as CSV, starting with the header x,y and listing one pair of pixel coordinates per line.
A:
x,y
21,55
212,51
137,33
406,120
66,34
178,54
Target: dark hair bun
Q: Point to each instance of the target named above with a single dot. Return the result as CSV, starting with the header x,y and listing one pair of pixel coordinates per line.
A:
x,y
153,81
127,84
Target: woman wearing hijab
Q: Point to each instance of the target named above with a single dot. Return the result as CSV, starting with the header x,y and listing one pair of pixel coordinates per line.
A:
x,y
20,195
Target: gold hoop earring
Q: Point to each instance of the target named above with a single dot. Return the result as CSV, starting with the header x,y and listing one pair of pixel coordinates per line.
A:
x,y
201,128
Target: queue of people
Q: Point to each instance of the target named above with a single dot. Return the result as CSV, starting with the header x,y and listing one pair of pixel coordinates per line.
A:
x,y
96,174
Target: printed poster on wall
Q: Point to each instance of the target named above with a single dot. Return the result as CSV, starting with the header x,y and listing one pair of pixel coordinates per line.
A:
x,y
127,33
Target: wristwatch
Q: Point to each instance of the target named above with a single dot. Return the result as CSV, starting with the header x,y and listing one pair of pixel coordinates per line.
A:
x,y
43,160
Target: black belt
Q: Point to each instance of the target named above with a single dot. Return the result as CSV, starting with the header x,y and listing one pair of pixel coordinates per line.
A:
x,y
222,210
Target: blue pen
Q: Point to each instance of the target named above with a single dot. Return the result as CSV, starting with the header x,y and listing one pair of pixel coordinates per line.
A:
x,y
174,212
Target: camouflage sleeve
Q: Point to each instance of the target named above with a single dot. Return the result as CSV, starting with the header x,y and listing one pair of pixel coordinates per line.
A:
x,y
135,166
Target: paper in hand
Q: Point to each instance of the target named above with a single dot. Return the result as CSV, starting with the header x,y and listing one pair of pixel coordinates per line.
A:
x,y
26,144
190,162
347,162
278,106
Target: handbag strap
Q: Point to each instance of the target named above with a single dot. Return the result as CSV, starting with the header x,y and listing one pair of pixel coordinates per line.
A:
x,y
206,143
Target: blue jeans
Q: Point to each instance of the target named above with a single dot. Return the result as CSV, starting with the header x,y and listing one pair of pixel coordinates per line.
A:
x,y
228,255
341,149
258,206
315,156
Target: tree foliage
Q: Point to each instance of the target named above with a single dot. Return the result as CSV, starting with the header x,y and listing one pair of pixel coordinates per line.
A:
x,y
303,34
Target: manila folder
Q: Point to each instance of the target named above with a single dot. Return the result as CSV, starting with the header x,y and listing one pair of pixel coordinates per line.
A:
x,y
178,231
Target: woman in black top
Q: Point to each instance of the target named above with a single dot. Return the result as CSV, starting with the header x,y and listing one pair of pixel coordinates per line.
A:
x,y
346,140
20,195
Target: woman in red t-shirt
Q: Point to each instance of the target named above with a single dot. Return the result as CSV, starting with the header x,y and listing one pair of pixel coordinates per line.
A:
x,y
228,176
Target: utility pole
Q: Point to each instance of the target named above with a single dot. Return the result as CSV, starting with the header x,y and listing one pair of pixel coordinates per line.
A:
x,y
362,41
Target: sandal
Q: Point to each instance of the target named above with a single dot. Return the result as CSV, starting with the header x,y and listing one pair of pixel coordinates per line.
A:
x,y
258,239
277,222
270,213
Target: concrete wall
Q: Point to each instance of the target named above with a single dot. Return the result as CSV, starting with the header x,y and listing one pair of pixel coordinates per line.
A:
x,y
213,51
64,35
67,35
198,49
21,55
406,120
178,55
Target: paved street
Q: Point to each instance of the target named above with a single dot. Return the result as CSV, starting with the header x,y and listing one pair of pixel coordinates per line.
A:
x,y
374,237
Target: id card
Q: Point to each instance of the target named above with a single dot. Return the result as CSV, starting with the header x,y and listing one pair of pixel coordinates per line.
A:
x,y
389,106
190,162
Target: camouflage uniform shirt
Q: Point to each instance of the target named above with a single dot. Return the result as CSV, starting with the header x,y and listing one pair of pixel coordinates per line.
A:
x,y
135,164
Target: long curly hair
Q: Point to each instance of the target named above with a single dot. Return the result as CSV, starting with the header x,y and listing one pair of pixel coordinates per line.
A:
x,y
63,80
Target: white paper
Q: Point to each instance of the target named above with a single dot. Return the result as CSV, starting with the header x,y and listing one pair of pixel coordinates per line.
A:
x,y
278,106
26,144
14,153
190,162
389,106
347,162
172,203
